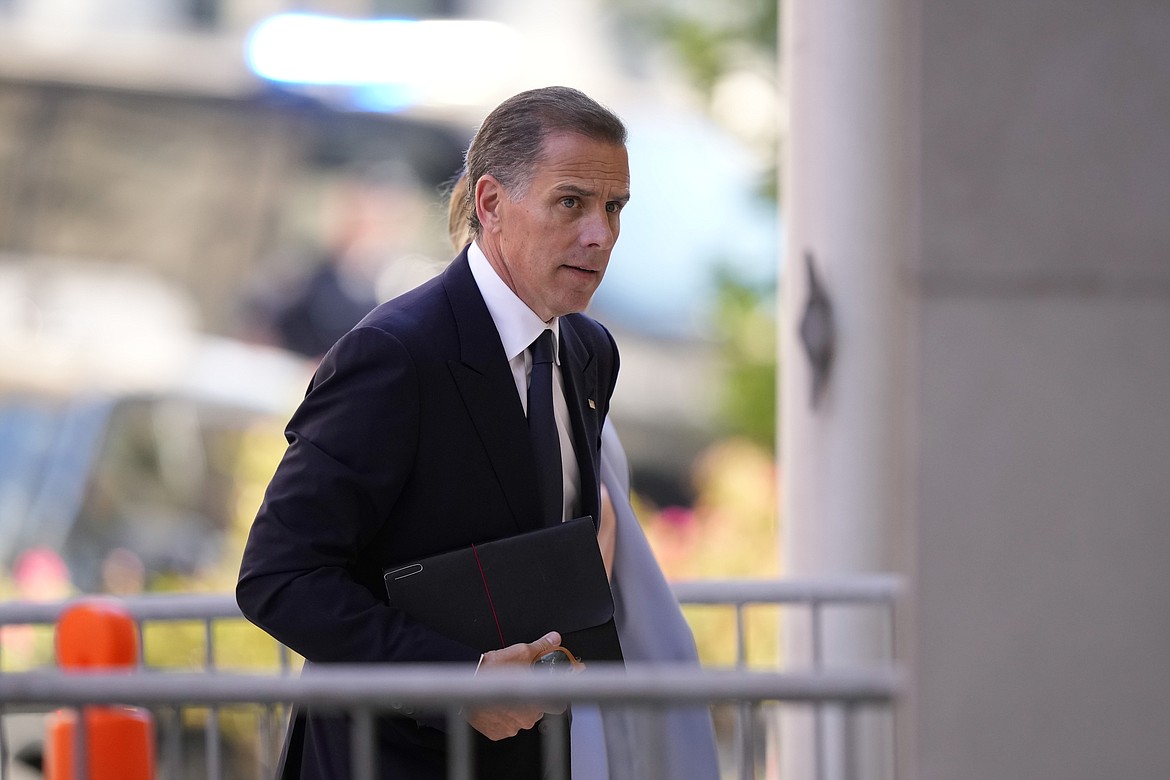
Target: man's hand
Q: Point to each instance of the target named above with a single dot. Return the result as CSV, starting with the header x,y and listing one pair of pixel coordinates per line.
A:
x,y
504,722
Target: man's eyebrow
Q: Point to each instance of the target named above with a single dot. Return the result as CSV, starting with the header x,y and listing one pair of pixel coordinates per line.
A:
x,y
576,189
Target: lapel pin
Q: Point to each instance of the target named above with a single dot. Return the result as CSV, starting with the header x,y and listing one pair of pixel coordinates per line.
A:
x,y
592,405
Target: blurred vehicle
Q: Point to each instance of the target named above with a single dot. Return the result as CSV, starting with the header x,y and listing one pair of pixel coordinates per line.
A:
x,y
127,489
123,429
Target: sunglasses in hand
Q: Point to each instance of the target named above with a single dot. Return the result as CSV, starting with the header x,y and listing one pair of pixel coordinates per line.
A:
x,y
558,659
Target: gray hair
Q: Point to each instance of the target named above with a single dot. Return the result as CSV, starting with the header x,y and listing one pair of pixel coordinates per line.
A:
x,y
508,144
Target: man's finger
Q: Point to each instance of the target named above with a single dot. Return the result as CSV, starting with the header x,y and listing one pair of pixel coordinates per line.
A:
x,y
545,643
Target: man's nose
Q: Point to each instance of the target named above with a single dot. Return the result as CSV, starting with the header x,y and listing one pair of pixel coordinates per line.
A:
x,y
600,230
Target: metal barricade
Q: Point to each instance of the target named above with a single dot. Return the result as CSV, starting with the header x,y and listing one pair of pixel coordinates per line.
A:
x,y
364,692
813,597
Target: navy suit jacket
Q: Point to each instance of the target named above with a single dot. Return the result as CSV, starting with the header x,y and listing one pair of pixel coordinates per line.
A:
x,y
410,441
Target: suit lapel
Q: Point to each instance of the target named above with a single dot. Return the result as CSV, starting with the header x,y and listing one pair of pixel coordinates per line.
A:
x,y
485,383
579,371
489,392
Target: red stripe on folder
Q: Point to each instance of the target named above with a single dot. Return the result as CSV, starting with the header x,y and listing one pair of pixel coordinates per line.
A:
x,y
488,591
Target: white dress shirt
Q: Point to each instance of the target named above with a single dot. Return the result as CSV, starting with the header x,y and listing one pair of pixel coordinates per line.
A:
x,y
518,327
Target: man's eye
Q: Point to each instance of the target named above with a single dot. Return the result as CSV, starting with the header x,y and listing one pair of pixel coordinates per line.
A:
x,y
569,202
613,207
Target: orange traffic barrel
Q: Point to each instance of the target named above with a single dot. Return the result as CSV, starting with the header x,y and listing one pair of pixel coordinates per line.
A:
x,y
100,635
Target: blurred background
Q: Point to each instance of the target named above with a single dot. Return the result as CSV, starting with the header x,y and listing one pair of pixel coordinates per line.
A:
x,y
197,197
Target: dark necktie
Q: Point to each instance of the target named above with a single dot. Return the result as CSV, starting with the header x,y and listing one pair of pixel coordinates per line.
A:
x,y
542,430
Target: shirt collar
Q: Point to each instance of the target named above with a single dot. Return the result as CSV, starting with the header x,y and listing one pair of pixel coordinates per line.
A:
x,y
517,324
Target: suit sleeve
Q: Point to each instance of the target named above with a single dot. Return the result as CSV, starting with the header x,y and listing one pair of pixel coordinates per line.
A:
x,y
351,446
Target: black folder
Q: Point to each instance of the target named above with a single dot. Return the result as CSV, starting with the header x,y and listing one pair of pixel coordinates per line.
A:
x,y
516,589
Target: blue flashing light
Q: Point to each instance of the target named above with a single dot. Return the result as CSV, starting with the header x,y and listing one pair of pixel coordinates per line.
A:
x,y
308,49
386,98
390,62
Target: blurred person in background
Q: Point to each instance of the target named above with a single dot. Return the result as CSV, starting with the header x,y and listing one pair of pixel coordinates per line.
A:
x,y
413,439
367,216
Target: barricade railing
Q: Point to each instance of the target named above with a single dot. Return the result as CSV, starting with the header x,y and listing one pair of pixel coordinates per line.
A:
x,y
815,597
364,692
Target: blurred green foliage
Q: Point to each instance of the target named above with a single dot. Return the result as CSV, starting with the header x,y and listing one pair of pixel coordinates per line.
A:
x,y
745,324
731,531
708,38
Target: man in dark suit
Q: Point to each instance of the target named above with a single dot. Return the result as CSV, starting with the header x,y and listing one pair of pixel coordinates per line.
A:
x,y
413,438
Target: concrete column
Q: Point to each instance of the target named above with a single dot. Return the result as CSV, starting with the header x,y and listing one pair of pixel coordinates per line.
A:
x,y
847,205
983,185
1041,643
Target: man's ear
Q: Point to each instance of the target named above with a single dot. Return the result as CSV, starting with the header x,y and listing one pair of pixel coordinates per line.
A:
x,y
489,197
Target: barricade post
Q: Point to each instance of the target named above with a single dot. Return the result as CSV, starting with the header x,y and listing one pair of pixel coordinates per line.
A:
x,y
99,635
